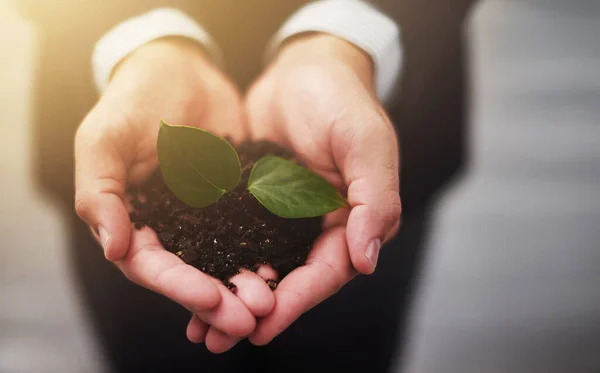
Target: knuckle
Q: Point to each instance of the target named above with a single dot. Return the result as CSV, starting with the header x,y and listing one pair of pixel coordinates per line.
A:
x,y
83,202
393,212
162,280
129,266
337,276
393,231
295,295
360,126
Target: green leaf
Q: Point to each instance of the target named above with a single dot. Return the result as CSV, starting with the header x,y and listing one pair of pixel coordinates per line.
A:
x,y
197,166
291,191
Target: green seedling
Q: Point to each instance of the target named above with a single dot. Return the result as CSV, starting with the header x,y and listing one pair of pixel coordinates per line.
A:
x,y
200,167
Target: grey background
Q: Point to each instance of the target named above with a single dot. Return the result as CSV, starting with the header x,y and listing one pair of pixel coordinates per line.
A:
x,y
511,284
511,279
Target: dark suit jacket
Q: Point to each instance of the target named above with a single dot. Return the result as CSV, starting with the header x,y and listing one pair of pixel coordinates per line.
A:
x,y
428,114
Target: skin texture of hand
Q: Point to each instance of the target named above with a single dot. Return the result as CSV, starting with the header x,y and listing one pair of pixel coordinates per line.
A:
x,y
115,146
317,98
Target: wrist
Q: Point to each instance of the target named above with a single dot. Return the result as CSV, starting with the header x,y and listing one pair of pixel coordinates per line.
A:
x,y
316,47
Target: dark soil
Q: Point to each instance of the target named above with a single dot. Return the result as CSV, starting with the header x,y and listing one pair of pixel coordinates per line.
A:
x,y
236,232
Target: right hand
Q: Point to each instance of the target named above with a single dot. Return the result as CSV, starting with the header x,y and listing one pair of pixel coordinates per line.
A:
x,y
115,146
318,99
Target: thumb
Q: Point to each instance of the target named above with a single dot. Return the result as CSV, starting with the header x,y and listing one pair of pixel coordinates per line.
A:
x,y
262,116
100,179
368,159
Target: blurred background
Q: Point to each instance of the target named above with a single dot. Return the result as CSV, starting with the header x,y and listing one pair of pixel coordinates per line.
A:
x,y
42,328
510,280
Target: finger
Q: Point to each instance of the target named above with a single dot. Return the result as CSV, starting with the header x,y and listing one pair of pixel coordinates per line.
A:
x,y
100,175
151,266
366,151
230,315
336,218
267,273
261,117
327,269
254,292
218,342
196,330
148,264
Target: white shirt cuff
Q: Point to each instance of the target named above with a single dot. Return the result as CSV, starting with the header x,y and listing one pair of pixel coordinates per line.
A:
x,y
126,37
358,23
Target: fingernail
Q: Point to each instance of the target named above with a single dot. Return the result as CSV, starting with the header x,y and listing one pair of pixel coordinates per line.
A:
x,y
104,237
372,252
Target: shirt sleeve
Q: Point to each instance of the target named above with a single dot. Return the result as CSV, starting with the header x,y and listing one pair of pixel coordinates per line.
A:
x,y
353,20
358,23
131,34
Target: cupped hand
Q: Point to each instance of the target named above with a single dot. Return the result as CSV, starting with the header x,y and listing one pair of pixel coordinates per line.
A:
x,y
318,99
115,147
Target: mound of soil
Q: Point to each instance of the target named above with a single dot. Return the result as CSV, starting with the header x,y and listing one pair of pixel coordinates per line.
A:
x,y
233,233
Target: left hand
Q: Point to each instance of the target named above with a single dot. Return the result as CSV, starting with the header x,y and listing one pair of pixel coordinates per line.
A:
x,y
317,98
115,148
